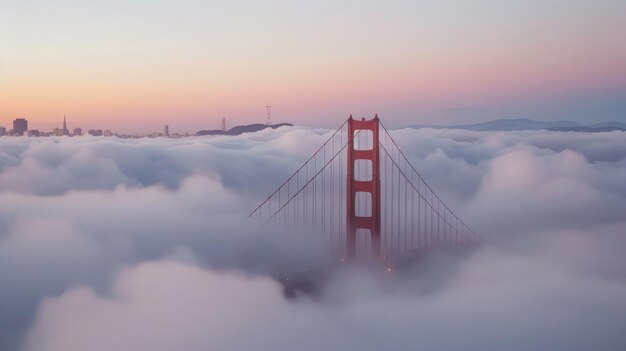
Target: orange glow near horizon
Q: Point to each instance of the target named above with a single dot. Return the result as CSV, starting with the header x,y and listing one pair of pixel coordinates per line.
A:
x,y
138,106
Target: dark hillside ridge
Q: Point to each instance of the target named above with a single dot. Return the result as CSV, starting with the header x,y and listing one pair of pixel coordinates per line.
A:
x,y
238,130
529,124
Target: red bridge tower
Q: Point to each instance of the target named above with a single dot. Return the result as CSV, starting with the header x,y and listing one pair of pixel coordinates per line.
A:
x,y
371,186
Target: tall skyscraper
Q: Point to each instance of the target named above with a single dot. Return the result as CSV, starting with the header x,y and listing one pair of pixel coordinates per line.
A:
x,y
65,131
20,126
166,130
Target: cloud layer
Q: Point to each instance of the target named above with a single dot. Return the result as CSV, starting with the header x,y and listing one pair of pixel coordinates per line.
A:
x,y
109,244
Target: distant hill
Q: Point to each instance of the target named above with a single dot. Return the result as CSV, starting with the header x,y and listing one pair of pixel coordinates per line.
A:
x,y
238,130
609,125
529,124
587,129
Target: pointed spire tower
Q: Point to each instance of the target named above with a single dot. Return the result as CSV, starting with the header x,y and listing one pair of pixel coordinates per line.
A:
x,y
65,130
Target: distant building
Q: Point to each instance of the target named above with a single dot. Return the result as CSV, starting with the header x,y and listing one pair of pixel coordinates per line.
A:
x,y
65,131
166,130
77,131
3,131
107,133
95,132
20,126
33,133
57,131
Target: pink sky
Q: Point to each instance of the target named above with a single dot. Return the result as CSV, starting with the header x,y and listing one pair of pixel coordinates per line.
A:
x,y
134,67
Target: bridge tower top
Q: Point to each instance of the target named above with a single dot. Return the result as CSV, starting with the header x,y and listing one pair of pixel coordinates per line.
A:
x,y
367,188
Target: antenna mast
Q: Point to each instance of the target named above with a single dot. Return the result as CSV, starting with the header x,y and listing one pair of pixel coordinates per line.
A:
x,y
268,118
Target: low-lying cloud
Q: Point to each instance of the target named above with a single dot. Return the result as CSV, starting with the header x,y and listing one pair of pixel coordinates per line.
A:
x,y
109,244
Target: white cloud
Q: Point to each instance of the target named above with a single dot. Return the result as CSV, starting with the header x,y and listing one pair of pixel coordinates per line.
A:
x,y
80,217
521,302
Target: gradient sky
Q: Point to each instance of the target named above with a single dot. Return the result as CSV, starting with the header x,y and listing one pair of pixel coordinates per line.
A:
x,y
133,66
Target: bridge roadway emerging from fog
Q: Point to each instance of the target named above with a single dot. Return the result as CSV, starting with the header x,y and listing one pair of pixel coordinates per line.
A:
x,y
362,197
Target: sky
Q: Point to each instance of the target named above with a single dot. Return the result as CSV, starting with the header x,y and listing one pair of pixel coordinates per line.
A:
x,y
134,66
140,244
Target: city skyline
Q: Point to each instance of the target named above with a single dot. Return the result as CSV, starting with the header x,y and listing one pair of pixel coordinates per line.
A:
x,y
425,62
26,129
145,130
